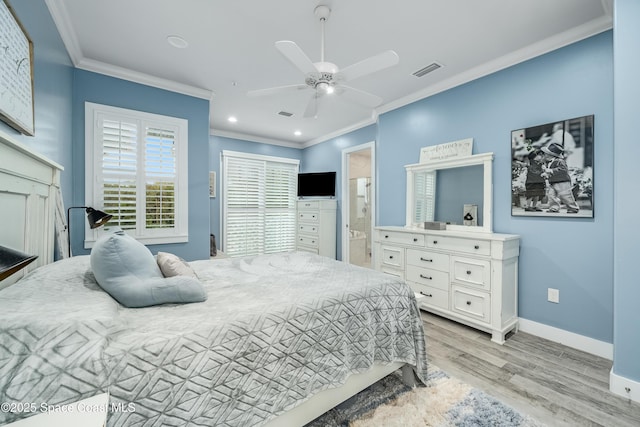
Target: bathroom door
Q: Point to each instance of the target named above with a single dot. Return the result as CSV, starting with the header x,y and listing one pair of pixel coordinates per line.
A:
x,y
358,204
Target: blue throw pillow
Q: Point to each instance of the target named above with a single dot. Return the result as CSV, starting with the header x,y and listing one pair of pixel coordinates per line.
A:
x,y
126,269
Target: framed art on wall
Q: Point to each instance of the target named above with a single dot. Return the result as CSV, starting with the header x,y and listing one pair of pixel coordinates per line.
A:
x,y
552,169
212,184
16,73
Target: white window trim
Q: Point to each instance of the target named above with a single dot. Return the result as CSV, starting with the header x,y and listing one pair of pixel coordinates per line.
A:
x,y
180,234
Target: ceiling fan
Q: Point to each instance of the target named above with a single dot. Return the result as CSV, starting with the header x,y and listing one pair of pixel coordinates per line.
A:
x,y
325,77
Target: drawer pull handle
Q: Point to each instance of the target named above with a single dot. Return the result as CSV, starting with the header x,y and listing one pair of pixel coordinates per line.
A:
x,y
390,256
425,259
435,242
426,295
386,236
476,247
426,277
468,302
468,271
415,240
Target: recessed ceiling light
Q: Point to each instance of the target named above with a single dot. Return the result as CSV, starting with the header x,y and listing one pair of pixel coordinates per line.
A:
x,y
177,41
232,119
297,133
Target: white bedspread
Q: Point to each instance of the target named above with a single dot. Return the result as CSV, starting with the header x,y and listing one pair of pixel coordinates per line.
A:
x,y
275,330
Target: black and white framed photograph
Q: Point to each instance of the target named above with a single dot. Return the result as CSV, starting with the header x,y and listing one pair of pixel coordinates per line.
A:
x,y
552,169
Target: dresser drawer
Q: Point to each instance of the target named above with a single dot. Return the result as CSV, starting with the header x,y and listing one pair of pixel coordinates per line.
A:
x,y
471,272
311,204
469,246
433,296
413,239
308,229
473,304
392,256
428,277
393,271
428,259
307,241
308,216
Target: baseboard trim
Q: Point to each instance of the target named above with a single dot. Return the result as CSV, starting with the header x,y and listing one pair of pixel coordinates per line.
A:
x,y
571,339
624,387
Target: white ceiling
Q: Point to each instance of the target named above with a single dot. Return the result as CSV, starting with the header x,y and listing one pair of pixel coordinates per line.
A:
x,y
231,50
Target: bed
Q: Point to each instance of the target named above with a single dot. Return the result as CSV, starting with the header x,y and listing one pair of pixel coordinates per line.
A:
x,y
274,331
280,339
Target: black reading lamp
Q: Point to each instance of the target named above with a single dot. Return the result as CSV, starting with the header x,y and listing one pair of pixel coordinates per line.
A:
x,y
12,261
95,218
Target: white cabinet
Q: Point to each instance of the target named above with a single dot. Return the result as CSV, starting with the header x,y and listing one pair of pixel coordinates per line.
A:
x,y
316,227
469,277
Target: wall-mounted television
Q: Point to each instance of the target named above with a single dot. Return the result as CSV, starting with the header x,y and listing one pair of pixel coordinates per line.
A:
x,y
317,184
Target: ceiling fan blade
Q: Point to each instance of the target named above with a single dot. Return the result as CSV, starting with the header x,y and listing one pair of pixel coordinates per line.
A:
x,y
276,90
360,97
368,66
312,107
296,56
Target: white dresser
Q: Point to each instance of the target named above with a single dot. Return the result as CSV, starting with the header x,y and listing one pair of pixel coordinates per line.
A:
x,y
316,227
469,277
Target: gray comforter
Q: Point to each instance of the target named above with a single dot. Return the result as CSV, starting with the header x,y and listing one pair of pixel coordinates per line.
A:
x,y
275,330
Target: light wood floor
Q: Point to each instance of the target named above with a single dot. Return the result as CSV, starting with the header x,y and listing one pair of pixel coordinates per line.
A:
x,y
555,384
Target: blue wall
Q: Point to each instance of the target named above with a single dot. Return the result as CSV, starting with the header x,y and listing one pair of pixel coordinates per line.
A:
x,y
572,255
216,145
53,80
327,156
627,204
101,89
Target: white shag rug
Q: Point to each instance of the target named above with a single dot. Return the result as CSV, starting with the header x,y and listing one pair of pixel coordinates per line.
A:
x,y
443,402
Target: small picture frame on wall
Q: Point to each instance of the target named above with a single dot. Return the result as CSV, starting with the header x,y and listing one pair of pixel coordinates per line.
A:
x,y
212,184
552,169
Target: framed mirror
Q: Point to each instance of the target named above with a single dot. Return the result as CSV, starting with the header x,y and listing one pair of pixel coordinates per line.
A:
x,y
438,190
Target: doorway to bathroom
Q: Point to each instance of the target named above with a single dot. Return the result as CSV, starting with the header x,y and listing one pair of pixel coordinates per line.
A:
x,y
358,212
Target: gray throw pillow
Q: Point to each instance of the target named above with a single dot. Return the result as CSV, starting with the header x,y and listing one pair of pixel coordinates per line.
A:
x,y
172,265
127,270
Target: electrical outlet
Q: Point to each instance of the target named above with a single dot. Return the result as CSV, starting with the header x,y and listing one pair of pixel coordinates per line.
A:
x,y
553,295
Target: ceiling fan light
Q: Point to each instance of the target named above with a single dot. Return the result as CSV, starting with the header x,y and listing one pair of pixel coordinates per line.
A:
x,y
325,87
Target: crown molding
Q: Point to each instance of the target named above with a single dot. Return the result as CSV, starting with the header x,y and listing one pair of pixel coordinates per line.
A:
x,y
65,29
343,131
142,78
566,38
63,24
255,138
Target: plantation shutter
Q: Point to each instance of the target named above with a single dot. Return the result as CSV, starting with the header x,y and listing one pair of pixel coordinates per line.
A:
x,y
259,205
424,185
119,171
280,209
161,176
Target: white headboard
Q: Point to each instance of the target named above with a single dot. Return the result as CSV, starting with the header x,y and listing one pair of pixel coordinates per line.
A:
x,y
29,187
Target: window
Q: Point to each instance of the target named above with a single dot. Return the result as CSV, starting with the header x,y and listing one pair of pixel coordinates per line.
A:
x,y
424,188
136,170
259,204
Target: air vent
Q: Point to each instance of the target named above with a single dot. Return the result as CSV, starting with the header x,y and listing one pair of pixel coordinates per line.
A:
x,y
426,70
285,113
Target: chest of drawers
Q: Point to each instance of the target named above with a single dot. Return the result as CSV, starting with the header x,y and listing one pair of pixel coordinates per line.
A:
x,y
469,277
316,226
